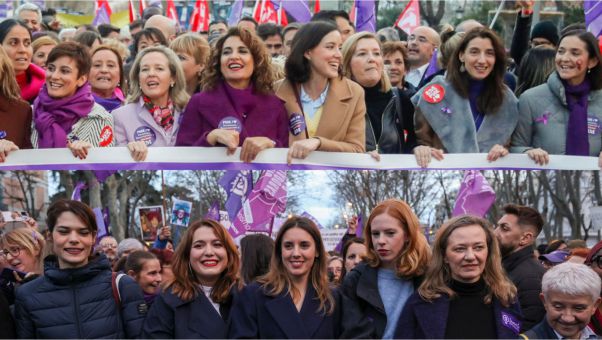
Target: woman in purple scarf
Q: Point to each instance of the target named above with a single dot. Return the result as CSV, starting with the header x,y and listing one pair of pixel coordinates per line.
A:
x,y
107,77
237,105
564,115
65,114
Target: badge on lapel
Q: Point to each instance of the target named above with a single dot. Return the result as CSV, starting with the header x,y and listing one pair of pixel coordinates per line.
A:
x,y
106,136
146,135
230,123
296,123
2,134
544,118
593,125
434,93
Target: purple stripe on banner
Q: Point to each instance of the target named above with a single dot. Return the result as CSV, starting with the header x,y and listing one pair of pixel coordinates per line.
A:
x,y
221,166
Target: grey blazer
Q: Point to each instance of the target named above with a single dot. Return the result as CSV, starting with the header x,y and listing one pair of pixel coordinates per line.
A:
x,y
449,124
544,117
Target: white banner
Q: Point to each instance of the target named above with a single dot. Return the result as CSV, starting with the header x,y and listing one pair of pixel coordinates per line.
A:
x,y
215,158
332,237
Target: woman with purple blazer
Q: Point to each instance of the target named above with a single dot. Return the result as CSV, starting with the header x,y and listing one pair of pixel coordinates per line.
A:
x,y
157,98
237,105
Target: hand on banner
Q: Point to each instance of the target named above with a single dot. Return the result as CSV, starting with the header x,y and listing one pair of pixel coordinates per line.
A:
x,y
375,155
497,152
138,150
252,146
79,148
600,160
302,148
539,155
6,147
424,153
165,233
352,225
228,138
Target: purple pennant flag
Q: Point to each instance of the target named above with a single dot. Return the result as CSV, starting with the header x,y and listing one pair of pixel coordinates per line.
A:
x,y
106,217
77,191
433,66
100,222
3,11
238,185
267,199
360,226
102,17
593,16
213,212
312,218
298,9
235,13
475,196
366,16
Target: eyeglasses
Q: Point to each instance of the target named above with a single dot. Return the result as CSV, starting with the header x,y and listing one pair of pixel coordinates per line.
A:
x,y
109,245
13,251
598,261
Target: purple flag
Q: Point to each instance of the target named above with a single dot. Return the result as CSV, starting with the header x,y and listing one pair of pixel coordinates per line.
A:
x,y
238,185
312,218
433,66
267,199
213,212
366,17
77,191
102,17
360,226
106,217
298,9
235,13
100,222
475,196
593,16
3,10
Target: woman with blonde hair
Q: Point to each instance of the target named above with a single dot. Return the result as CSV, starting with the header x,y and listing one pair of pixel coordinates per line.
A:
x,y
293,300
396,259
41,48
154,107
193,52
196,302
15,113
389,113
465,293
237,106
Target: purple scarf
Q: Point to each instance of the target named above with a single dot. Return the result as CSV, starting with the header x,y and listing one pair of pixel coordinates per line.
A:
x,y
577,142
475,88
109,104
54,118
149,298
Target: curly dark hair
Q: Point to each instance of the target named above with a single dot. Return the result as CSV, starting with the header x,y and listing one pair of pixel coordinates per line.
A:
x,y
263,74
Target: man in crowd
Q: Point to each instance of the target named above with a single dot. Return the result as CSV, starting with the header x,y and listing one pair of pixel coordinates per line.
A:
x,y
272,37
544,32
218,27
248,23
288,34
421,46
340,18
163,24
516,232
570,295
31,15
108,246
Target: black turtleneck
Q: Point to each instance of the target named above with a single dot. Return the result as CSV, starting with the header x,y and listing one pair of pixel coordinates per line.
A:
x,y
376,102
469,317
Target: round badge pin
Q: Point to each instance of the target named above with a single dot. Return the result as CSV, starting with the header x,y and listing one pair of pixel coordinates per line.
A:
x,y
145,134
434,93
106,136
230,123
593,125
2,134
296,123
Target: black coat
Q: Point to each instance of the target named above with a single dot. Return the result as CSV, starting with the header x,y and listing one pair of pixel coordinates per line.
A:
x,y
256,315
542,330
521,37
397,121
363,311
79,303
7,324
173,318
526,274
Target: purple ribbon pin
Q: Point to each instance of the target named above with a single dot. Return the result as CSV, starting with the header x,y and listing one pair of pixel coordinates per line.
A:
x,y
544,118
447,111
2,134
511,322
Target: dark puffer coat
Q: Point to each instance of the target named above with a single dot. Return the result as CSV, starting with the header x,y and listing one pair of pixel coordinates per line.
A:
x,y
79,303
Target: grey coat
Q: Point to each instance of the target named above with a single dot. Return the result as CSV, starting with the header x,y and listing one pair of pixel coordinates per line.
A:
x,y
449,124
544,117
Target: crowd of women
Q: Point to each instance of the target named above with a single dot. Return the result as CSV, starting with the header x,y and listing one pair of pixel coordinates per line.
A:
x,y
332,96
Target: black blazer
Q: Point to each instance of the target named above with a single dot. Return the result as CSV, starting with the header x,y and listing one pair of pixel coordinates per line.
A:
x,y
172,318
260,316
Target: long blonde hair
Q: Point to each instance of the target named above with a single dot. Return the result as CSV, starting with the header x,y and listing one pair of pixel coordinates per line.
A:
x,y
278,280
348,49
8,81
177,93
438,275
415,255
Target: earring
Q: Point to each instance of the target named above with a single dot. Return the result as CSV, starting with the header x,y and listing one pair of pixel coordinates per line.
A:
x,y
462,68
171,85
589,70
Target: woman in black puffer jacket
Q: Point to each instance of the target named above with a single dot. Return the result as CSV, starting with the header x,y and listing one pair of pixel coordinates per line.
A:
x,y
75,297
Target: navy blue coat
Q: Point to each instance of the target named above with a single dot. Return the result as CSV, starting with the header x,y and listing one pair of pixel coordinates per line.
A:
x,y
542,330
260,316
79,303
173,318
427,320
